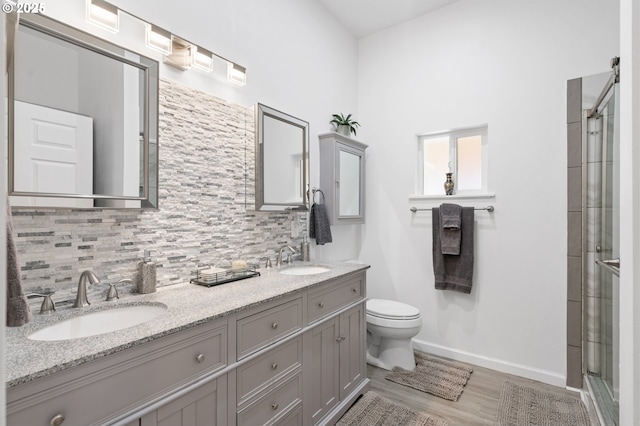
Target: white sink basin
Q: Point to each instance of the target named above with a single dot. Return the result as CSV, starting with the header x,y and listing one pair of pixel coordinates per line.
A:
x,y
304,270
99,322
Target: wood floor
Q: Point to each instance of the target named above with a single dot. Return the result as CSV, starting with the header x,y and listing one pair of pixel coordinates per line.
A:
x,y
478,404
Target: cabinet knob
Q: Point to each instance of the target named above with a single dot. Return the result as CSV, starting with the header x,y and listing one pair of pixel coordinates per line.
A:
x,y
274,366
200,357
274,405
321,305
57,420
274,325
354,290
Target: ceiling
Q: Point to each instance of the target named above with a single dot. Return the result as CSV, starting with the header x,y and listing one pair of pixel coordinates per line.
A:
x,y
365,17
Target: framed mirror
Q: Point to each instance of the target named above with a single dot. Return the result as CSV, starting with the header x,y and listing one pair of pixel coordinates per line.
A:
x,y
282,161
83,120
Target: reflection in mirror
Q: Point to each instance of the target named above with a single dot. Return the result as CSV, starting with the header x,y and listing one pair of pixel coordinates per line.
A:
x,y
350,176
282,160
82,120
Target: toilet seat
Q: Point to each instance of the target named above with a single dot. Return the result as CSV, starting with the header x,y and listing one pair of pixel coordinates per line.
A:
x,y
391,310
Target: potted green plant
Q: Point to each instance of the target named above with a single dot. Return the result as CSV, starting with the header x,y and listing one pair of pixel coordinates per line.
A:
x,y
345,125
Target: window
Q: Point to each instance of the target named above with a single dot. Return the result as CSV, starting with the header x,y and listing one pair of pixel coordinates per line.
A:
x,y
461,152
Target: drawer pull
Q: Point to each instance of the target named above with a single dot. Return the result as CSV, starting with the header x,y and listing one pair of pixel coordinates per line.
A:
x,y
274,366
57,420
274,325
274,406
340,338
200,357
321,305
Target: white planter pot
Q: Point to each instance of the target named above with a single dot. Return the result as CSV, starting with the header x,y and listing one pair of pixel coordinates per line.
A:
x,y
344,130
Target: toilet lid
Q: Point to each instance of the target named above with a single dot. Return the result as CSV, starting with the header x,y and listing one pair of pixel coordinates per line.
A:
x,y
391,309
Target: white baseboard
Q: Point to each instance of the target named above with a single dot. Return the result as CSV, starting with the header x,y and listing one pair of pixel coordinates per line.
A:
x,y
492,363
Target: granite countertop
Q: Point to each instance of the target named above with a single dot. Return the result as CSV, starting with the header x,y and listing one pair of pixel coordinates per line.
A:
x,y
187,305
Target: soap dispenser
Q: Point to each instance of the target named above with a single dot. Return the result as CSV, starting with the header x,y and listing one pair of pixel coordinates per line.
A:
x,y
146,279
304,249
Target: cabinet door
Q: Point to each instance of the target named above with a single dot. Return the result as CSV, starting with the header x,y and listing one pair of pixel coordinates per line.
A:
x,y
352,349
324,371
203,406
349,183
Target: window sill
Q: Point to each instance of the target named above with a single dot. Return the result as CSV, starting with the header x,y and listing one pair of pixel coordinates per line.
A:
x,y
452,197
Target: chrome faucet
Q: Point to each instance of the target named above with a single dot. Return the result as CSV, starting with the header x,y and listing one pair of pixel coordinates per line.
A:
x,y
81,297
279,259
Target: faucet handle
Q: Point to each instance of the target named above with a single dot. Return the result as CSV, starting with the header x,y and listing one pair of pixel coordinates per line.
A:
x,y
47,303
113,291
268,262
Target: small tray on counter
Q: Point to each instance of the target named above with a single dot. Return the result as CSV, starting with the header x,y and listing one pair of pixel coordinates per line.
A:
x,y
222,276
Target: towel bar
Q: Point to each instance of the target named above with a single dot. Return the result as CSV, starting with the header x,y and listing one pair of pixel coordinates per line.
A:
x,y
488,208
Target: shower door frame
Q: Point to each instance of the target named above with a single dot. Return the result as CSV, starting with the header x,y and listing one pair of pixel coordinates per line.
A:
x,y
602,352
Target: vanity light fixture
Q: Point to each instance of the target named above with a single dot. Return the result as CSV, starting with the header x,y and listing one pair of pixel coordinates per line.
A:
x,y
103,14
202,59
237,74
177,52
158,39
180,56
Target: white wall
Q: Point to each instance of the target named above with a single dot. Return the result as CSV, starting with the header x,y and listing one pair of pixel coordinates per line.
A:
x,y
629,208
505,64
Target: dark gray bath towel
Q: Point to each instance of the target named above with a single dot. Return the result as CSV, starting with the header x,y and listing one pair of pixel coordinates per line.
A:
x,y
319,224
450,223
18,312
454,272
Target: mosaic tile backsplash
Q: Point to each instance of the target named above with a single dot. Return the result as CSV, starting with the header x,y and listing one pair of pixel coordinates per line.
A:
x,y
205,215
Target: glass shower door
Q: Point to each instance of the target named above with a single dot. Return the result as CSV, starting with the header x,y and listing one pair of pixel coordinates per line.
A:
x,y
603,296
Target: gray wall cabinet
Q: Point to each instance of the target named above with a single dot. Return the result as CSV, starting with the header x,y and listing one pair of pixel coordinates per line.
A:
x,y
342,173
296,360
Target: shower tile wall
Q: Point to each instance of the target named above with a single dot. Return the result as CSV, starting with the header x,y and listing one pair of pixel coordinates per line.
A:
x,y
205,215
574,234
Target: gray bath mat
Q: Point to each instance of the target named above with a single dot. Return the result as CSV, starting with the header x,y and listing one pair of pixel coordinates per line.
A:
x,y
374,410
437,376
524,406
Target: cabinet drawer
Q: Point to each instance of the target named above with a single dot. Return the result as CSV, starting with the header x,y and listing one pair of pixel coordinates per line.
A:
x,y
275,405
263,328
257,374
329,299
102,389
294,418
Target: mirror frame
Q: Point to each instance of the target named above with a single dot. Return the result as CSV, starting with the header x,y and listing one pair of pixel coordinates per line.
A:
x,y
263,111
150,67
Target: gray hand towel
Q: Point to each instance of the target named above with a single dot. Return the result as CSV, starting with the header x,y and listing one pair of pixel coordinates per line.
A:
x,y
450,221
18,312
319,224
454,272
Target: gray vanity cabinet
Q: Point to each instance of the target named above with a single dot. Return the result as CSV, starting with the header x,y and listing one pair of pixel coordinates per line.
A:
x,y
353,342
324,369
335,348
269,346
297,359
342,172
205,405
99,391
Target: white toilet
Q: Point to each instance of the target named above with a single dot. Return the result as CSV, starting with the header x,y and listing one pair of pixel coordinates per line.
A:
x,y
390,327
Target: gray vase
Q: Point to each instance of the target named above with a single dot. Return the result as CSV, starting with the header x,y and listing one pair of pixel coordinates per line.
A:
x,y
448,185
